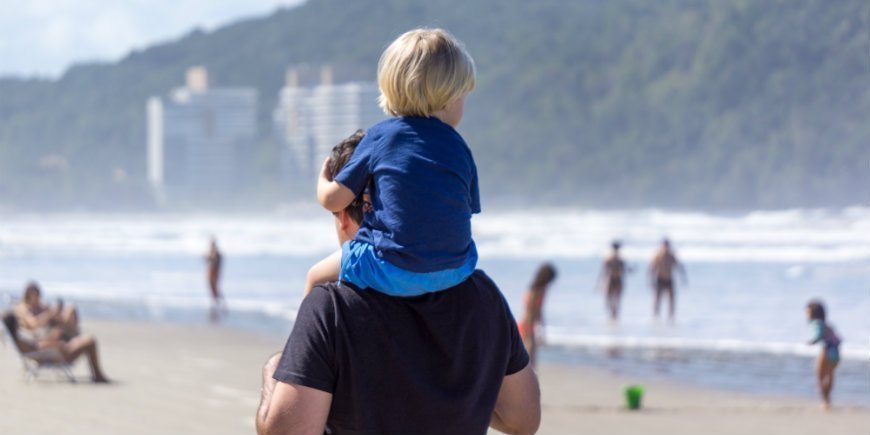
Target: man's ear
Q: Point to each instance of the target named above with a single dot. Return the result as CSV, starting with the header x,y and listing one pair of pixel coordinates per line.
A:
x,y
343,219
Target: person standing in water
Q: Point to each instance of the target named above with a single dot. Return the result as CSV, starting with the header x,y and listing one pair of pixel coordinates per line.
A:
x,y
661,274
214,261
612,278
829,358
533,315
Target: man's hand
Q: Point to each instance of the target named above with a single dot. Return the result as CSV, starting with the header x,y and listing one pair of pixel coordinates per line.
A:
x,y
268,389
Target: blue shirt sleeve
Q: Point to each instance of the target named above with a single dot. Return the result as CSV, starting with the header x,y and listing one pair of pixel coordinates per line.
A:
x,y
356,172
475,192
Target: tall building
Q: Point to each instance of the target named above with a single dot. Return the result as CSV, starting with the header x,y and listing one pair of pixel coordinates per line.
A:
x,y
310,120
201,140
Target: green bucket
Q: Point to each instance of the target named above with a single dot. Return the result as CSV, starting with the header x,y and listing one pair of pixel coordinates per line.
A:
x,y
633,396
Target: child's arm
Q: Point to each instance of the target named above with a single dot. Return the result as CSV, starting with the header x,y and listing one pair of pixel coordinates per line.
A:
x,y
325,270
331,194
818,332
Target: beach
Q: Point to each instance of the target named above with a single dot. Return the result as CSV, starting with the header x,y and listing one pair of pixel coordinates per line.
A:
x,y
205,379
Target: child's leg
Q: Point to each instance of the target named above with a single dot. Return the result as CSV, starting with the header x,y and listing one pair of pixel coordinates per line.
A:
x,y
325,270
822,379
827,383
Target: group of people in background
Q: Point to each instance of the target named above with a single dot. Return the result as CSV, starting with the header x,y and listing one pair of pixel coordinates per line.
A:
x,y
661,278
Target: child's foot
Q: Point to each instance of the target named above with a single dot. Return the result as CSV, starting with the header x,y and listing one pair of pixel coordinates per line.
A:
x,y
826,406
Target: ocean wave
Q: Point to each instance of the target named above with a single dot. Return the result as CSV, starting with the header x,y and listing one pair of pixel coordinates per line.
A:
x,y
792,236
563,338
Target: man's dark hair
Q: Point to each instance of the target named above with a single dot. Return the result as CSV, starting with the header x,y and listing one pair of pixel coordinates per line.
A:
x,y
340,155
817,310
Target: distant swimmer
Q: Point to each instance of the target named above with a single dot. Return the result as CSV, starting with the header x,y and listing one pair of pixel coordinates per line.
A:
x,y
612,279
214,261
829,358
661,276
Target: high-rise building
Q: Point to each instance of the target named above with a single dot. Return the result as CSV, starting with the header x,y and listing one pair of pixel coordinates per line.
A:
x,y
201,140
309,121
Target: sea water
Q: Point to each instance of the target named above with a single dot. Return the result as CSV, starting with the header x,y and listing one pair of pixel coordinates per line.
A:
x,y
740,320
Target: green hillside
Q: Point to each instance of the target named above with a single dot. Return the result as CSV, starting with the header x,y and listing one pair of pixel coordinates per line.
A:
x,y
620,103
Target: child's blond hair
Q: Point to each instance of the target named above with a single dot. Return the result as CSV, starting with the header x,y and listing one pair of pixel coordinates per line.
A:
x,y
422,71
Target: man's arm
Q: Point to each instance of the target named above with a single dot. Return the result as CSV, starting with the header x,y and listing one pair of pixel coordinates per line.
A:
x,y
653,271
518,407
29,321
290,409
682,270
600,283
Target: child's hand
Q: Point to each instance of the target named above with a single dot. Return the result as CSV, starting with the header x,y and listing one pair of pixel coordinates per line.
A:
x,y
324,170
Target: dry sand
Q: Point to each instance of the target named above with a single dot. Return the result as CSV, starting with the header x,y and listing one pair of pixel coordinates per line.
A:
x,y
176,379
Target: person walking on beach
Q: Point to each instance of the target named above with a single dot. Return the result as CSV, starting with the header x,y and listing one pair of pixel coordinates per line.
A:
x,y
362,361
829,358
612,275
661,274
533,315
214,261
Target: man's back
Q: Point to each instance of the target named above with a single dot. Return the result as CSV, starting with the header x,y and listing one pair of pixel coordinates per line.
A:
x,y
428,364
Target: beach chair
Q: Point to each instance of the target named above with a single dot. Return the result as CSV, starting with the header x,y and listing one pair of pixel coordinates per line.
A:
x,y
35,361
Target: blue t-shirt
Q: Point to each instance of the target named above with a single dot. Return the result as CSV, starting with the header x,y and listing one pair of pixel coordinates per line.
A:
x,y
423,187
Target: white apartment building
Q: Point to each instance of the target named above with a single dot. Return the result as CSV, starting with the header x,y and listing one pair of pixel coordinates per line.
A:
x,y
309,121
201,140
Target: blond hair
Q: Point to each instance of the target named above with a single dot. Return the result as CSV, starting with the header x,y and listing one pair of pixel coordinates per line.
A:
x,y
422,71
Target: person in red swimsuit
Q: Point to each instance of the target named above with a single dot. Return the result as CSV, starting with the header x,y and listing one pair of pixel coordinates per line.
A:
x,y
534,302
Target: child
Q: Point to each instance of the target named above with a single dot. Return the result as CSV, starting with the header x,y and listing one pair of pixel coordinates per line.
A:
x,y
419,172
830,356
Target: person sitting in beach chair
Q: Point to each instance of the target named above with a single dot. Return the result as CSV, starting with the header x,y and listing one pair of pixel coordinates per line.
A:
x,y
40,320
53,353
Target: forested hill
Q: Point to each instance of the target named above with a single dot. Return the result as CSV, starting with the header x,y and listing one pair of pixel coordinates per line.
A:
x,y
619,103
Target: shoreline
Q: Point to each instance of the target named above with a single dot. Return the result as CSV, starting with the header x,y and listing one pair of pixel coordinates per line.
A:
x,y
174,378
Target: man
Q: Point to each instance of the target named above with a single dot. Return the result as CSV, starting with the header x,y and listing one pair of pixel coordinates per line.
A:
x,y
661,276
612,275
359,361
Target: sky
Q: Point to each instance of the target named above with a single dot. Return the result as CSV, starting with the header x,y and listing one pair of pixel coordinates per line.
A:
x,y
44,37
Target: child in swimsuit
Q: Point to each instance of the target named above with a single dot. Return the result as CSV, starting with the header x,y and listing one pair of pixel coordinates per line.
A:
x,y
419,174
830,355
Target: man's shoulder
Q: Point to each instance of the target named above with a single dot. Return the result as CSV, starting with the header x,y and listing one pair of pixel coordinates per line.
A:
x,y
336,292
328,292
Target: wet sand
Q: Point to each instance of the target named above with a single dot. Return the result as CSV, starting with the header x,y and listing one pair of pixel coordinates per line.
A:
x,y
205,380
